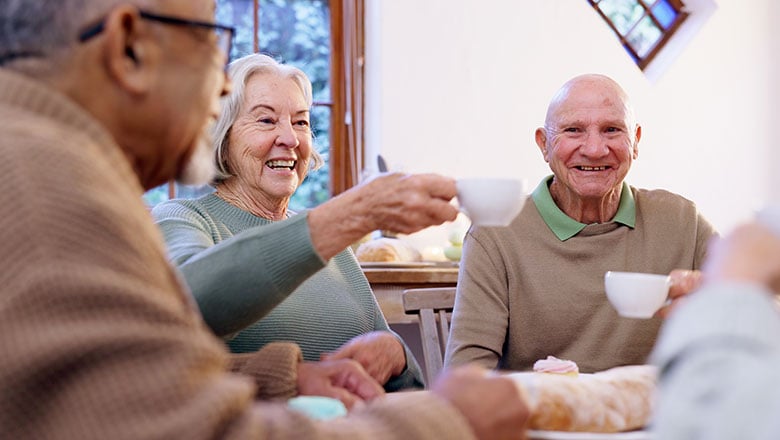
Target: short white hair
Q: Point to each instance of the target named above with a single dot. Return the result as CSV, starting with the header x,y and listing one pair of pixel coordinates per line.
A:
x,y
240,71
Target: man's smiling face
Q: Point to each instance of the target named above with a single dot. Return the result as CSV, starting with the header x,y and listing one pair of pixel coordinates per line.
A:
x,y
590,138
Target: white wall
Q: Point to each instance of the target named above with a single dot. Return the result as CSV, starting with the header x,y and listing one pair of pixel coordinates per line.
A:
x,y
459,86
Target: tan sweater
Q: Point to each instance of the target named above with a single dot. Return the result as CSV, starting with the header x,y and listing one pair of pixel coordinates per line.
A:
x,y
98,339
524,294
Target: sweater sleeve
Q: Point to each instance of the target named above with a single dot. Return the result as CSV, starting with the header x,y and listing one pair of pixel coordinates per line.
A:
x,y
397,416
705,232
718,357
481,313
239,280
272,367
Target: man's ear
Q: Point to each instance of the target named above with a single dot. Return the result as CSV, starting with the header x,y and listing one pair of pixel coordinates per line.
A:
x,y
637,136
541,141
127,50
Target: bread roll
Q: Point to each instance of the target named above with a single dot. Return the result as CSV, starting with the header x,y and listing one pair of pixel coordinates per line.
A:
x,y
387,250
619,399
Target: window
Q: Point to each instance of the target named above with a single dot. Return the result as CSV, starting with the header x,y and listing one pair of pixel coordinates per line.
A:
x,y
324,39
642,26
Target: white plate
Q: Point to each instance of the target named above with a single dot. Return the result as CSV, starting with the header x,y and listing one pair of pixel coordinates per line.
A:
x,y
407,264
561,435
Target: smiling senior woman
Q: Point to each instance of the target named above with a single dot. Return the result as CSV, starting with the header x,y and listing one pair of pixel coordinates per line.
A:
x,y
264,151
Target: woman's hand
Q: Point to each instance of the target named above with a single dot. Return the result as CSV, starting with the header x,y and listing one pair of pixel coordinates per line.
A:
x,y
380,353
342,379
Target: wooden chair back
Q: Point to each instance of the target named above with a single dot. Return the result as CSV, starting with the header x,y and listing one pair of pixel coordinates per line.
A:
x,y
432,305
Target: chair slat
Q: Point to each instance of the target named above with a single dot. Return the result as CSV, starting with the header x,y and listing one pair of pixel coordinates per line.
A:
x,y
430,304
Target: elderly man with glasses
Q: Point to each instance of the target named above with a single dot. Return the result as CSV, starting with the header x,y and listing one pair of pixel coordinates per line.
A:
x,y
100,100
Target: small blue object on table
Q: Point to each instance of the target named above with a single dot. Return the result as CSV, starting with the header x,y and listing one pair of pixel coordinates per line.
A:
x,y
318,407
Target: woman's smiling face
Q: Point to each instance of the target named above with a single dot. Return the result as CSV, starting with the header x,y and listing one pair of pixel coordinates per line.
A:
x,y
270,144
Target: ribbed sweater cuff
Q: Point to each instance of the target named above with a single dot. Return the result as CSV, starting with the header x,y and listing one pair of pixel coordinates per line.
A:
x,y
274,369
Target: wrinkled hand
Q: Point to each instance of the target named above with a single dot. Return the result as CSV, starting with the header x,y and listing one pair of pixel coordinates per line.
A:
x,y
341,379
492,404
750,253
407,203
395,202
683,283
380,353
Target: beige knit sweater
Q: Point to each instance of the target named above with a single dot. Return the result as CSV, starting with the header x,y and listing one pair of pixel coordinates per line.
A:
x,y
98,339
524,294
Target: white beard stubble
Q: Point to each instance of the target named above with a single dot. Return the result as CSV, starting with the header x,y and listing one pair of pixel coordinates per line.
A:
x,y
200,169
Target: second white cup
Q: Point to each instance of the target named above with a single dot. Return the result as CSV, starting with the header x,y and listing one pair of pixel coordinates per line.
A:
x,y
636,295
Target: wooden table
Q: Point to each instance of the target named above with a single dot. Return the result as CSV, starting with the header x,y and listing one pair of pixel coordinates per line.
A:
x,y
388,283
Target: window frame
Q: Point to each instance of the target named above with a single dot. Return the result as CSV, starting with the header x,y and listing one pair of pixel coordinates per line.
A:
x,y
348,94
666,34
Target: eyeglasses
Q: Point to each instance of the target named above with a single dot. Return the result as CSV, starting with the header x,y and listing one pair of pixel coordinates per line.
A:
x,y
224,33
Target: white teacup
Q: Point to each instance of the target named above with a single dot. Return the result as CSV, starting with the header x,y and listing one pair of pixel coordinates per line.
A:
x,y
636,295
491,201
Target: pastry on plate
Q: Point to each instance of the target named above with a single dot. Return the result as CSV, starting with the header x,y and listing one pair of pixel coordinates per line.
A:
x,y
615,400
387,250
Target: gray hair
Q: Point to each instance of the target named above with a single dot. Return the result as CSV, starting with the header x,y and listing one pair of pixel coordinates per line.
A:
x,y
240,71
35,34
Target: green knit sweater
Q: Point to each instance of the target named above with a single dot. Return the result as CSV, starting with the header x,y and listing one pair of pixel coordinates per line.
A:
x,y
536,287
324,312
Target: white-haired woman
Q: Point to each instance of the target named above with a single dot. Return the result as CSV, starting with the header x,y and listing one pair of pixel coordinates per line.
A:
x,y
264,151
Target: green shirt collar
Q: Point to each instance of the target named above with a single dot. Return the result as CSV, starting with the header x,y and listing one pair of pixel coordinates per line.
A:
x,y
565,227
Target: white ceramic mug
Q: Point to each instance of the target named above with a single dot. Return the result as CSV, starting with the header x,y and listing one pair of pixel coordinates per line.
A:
x,y
636,295
491,201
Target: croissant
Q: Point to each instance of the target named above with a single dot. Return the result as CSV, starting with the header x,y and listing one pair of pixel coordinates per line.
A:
x,y
387,250
618,399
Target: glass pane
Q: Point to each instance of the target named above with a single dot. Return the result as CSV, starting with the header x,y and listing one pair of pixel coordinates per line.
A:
x,y
623,13
644,37
315,188
664,13
240,14
297,32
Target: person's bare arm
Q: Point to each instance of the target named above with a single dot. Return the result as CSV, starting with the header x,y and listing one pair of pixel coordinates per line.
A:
x,y
404,203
